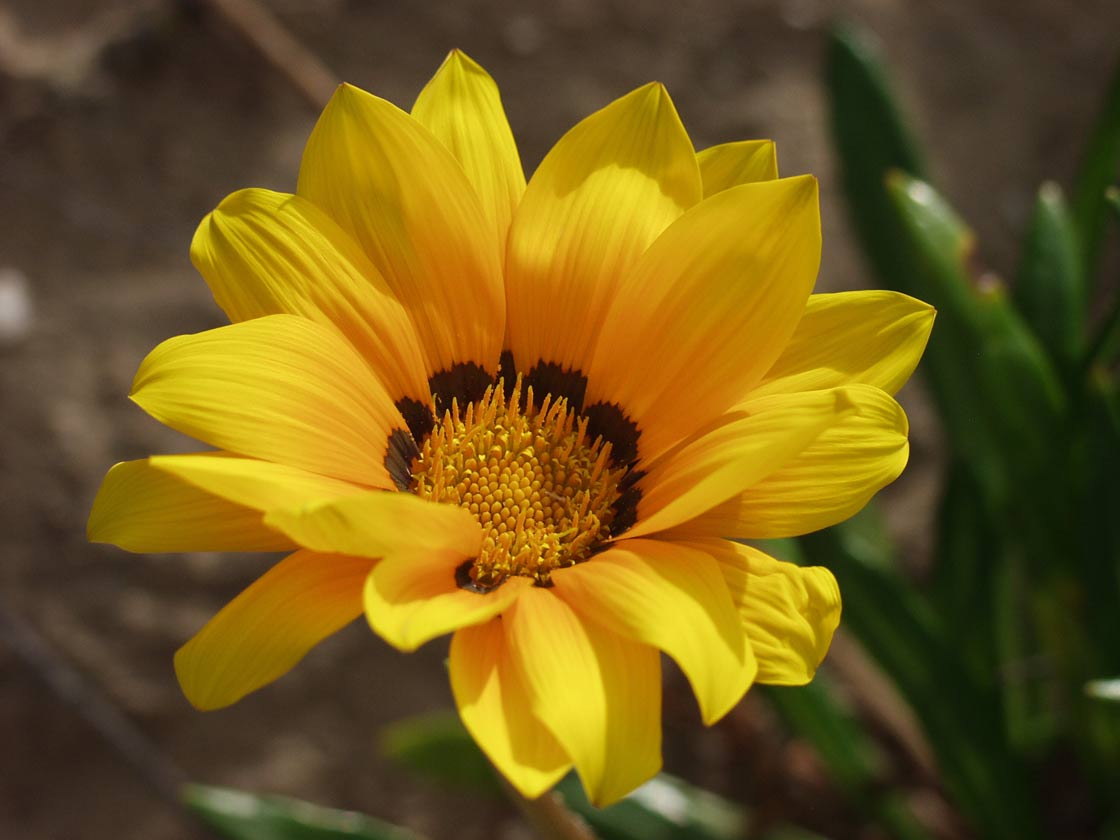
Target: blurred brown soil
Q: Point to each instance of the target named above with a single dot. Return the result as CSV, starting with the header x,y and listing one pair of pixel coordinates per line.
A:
x,y
122,123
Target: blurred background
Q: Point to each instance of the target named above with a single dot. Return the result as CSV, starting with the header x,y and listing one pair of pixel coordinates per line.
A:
x,y
123,123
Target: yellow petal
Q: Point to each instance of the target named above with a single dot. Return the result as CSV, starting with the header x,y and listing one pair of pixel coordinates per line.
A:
x,y
875,338
461,106
707,309
494,705
598,693
829,481
263,632
604,192
789,612
738,452
414,596
743,162
280,388
674,598
257,484
266,253
401,194
379,523
143,509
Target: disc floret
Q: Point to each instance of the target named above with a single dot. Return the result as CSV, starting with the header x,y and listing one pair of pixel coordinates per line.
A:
x,y
541,489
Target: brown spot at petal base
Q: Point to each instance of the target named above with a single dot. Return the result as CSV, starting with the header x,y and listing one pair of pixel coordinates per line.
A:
x,y
399,454
465,382
626,505
417,416
550,378
609,421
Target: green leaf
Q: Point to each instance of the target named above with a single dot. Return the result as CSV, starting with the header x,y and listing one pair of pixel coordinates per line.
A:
x,y
238,815
438,747
1099,525
996,390
1050,288
961,717
966,548
1097,172
1107,340
664,808
986,369
871,138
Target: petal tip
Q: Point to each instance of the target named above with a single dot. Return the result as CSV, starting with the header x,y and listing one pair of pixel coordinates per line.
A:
x,y
457,58
606,794
199,699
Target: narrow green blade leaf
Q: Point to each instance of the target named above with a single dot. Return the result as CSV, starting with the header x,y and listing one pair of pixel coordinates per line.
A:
x,y
871,138
961,718
966,550
1099,574
1099,169
1105,344
438,747
1050,288
238,815
664,808
996,390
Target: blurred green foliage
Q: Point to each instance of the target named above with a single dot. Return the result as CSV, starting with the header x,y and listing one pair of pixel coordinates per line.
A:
x,y
996,654
238,815
438,748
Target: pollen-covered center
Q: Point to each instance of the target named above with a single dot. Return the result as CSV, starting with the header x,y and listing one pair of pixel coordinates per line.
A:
x,y
539,487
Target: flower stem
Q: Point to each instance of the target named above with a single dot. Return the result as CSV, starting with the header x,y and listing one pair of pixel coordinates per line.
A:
x,y
548,816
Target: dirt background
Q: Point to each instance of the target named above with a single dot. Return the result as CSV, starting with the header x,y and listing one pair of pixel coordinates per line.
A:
x,y
121,124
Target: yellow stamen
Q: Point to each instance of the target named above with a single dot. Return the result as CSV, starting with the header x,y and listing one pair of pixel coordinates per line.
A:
x,y
541,490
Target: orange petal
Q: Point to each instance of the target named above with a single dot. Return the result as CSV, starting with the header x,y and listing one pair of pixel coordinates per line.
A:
x,y
401,194
707,309
604,192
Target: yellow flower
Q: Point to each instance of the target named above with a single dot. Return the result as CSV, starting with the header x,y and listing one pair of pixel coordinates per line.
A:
x,y
526,415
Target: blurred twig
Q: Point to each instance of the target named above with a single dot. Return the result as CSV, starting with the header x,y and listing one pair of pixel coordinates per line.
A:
x,y
69,60
286,53
880,699
548,816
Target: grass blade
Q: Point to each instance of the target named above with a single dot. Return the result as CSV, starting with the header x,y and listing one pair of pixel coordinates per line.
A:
x,y
961,718
1097,172
1050,288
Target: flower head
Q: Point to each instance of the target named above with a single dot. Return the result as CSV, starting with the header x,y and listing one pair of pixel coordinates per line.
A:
x,y
532,416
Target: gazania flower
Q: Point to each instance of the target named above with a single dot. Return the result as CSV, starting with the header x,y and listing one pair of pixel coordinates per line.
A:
x,y
529,416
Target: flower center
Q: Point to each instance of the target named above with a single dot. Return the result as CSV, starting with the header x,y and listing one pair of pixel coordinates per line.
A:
x,y
541,490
